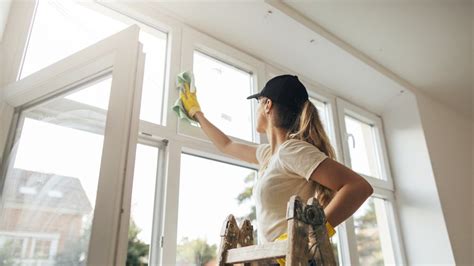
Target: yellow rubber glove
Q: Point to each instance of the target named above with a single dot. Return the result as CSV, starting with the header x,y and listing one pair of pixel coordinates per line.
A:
x,y
188,97
329,228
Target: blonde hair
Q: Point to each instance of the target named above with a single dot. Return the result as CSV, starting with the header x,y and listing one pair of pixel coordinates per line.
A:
x,y
307,126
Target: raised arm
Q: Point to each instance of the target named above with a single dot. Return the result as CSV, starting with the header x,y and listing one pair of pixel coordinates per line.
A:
x,y
224,143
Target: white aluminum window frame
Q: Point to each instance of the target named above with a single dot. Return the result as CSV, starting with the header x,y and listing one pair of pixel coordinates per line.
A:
x,y
196,41
121,56
346,108
155,249
176,143
383,189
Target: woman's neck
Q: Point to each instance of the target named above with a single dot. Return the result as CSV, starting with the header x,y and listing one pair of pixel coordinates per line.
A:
x,y
276,137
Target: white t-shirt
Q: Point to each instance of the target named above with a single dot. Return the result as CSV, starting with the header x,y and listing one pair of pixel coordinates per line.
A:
x,y
281,176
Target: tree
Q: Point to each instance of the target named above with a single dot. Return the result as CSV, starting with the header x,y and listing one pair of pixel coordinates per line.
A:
x,y
368,240
195,251
6,253
247,195
137,253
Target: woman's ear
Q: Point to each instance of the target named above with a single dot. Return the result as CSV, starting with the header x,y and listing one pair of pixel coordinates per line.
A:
x,y
268,106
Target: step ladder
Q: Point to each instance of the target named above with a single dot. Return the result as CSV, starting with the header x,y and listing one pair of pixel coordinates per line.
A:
x,y
307,239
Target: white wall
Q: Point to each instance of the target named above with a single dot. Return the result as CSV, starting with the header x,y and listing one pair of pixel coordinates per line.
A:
x,y
4,10
425,235
449,137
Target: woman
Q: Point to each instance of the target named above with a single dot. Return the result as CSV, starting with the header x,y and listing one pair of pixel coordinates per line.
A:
x,y
298,159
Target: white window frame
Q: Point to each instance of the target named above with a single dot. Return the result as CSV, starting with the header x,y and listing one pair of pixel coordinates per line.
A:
x,y
383,189
155,251
173,143
193,40
344,108
121,56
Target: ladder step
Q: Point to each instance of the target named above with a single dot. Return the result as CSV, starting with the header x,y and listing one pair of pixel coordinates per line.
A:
x,y
257,252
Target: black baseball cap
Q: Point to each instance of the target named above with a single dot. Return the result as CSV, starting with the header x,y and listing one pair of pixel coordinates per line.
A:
x,y
286,90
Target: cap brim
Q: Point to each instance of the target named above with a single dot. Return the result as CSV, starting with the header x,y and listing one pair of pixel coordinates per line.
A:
x,y
253,96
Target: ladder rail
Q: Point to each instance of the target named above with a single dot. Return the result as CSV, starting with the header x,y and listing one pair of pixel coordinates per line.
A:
x,y
252,253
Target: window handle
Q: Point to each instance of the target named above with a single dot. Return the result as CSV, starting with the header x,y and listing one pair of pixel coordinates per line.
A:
x,y
353,140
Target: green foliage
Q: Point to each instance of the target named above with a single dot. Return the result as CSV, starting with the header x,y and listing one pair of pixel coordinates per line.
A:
x,y
368,239
137,253
334,250
196,252
368,220
247,195
6,254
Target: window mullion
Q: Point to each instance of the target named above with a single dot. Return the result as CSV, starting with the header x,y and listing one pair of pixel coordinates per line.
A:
x,y
349,246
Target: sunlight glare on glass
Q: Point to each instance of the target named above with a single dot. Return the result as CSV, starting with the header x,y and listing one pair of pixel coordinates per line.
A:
x,y
207,195
363,155
96,95
65,151
61,28
64,27
154,47
372,233
222,91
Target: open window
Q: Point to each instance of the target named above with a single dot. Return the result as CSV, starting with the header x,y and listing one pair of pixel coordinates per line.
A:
x,y
64,27
71,151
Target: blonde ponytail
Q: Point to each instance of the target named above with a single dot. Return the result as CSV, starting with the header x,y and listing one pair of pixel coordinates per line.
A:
x,y
307,126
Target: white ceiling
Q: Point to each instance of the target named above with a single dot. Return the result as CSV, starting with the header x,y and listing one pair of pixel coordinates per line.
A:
x,y
425,43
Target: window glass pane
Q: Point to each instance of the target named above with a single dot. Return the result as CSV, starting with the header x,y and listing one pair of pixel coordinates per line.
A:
x,y
335,248
154,47
143,199
362,147
95,95
42,249
372,233
63,27
222,93
50,188
206,198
